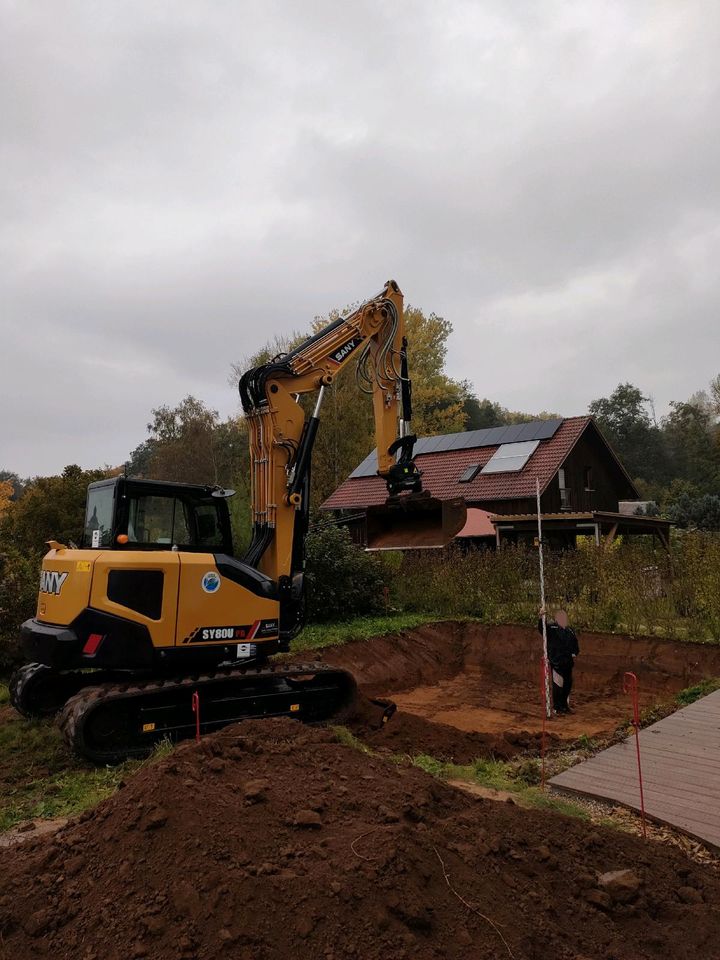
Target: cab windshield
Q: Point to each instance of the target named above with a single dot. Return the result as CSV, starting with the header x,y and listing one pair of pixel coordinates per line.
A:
x,y
99,517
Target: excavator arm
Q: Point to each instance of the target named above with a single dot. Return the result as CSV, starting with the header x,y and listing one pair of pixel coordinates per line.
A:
x,y
281,437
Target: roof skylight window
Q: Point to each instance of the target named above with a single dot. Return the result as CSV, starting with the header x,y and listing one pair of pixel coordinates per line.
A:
x,y
470,473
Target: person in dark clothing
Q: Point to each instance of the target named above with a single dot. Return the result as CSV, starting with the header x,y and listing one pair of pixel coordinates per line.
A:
x,y
562,647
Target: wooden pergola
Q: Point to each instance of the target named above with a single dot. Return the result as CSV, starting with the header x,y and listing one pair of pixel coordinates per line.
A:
x,y
604,527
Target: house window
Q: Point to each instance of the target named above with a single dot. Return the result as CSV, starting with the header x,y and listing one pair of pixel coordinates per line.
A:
x,y
588,479
565,498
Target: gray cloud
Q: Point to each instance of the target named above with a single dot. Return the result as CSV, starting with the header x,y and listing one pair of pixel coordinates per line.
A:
x,y
182,181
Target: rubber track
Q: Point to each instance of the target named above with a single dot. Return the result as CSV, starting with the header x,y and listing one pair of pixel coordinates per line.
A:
x,y
71,680
78,708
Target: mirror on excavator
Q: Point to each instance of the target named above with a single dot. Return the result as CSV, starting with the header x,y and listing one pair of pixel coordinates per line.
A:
x,y
414,522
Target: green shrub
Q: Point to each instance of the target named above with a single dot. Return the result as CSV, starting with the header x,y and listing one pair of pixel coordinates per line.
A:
x,y
343,582
634,587
50,508
18,598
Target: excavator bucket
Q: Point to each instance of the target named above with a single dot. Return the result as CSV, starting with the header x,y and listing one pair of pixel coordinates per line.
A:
x,y
414,522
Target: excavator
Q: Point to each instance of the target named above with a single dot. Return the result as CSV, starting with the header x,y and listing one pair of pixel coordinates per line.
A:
x,y
151,628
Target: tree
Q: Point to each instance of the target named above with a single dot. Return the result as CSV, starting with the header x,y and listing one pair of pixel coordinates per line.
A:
x,y
691,437
437,399
16,484
6,492
715,394
188,443
626,423
699,513
52,508
481,414
181,439
140,461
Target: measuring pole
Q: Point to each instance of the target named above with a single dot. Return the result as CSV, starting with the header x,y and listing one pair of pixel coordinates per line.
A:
x,y
548,704
630,685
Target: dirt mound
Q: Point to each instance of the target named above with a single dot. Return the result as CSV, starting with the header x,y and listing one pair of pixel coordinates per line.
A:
x,y
271,840
411,735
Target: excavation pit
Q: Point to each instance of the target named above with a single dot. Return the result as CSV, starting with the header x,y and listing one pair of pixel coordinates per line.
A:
x,y
465,690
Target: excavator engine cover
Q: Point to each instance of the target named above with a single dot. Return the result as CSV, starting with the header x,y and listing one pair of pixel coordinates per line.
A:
x,y
414,522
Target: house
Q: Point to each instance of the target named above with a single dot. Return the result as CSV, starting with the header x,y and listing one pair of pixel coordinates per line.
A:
x,y
495,470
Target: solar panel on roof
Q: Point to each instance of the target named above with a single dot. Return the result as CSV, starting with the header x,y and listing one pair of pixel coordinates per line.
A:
x,y
526,432
471,439
506,434
455,441
368,468
433,444
547,428
510,457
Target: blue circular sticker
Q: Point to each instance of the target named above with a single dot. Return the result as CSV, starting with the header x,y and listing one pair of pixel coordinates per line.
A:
x,y
211,582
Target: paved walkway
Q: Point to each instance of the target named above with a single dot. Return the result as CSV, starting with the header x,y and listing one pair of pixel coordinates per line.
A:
x,y
681,771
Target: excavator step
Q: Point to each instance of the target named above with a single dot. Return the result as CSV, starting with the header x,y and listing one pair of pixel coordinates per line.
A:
x,y
109,724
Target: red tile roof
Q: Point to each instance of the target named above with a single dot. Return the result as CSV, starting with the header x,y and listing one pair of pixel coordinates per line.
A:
x,y
441,472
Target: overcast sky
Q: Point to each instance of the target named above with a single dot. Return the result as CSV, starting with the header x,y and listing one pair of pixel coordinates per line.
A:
x,y
182,180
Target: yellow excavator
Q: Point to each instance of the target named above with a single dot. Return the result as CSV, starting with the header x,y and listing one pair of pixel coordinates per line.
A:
x,y
153,629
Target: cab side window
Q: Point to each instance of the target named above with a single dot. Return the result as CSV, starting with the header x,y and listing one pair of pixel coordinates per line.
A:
x,y
209,532
160,520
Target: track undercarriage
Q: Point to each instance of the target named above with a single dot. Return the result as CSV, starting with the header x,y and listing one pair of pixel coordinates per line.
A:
x,y
109,718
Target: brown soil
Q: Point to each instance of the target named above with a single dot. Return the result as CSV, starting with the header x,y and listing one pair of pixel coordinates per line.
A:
x,y
409,734
485,682
271,840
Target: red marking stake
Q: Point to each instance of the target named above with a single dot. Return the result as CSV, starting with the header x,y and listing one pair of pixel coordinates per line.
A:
x,y
630,685
196,711
544,674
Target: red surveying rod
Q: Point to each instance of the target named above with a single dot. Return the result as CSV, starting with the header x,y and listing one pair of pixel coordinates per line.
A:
x,y
630,685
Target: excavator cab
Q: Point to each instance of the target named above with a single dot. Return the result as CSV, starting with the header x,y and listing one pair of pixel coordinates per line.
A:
x,y
130,514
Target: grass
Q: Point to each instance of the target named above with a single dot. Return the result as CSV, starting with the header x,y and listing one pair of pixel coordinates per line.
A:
x,y
41,779
702,689
501,775
319,635
348,739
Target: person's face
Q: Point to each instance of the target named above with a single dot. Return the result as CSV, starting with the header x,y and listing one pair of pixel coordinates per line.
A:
x,y
561,618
